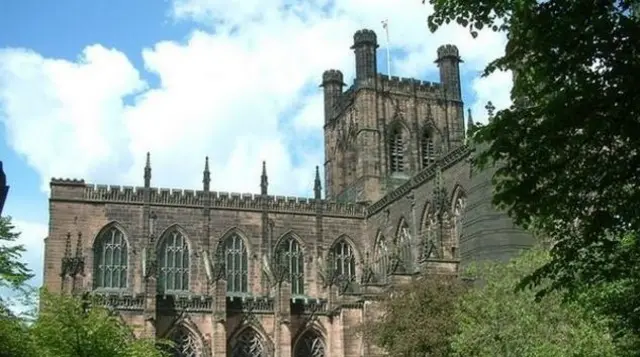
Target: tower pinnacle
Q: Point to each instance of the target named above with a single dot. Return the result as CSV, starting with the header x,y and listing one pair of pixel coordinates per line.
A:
x,y
317,185
206,175
264,181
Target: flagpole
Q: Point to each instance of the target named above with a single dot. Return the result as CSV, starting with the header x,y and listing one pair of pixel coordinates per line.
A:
x,y
385,25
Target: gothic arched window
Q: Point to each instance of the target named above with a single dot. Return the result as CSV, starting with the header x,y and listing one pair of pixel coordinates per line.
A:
x,y
110,260
403,246
396,150
186,344
236,264
344,260
381,259
310,345
248,344
458,216
291,258
428,148
173,262
430,245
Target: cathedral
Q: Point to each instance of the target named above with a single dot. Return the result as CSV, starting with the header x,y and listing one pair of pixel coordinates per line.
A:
x,y
262,275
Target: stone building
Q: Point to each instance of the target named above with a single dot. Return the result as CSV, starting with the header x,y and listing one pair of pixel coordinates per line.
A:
x,y
228,274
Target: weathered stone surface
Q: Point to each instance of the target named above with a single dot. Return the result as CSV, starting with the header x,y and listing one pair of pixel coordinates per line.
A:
x,y
412,212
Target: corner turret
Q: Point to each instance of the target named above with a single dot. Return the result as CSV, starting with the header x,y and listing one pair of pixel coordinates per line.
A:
x,y
365,44
332,82
449,63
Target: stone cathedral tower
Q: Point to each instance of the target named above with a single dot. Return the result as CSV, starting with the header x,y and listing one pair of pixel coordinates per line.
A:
x,y
227,274
383,130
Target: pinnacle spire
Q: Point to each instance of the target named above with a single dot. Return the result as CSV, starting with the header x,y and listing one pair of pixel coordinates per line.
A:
x,y
147,171
67,246
79,246
206,174
264,180
317,185
470,125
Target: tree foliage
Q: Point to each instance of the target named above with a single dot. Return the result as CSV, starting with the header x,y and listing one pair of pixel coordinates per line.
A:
x,y
496,320
568,146
69,326
13,272
416,319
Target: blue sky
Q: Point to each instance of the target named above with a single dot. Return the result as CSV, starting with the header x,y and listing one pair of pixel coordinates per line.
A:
x,y
87,87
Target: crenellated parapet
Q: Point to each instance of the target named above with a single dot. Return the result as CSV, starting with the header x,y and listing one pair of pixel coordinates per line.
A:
x,y
78,190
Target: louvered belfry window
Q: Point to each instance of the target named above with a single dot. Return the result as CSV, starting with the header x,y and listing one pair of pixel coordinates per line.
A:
x,y
396,151
428,149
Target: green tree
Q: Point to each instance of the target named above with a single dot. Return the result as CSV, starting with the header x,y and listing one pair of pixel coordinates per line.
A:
x,y
496,320
15,340
72,327
416,319
568,145
13,273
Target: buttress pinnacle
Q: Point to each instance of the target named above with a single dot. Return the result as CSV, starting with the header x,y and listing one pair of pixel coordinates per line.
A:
x,y
264,180
317,185
206,175
147,171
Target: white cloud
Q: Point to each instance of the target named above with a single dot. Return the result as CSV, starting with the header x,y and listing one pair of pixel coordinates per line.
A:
x,y
223,92
495,88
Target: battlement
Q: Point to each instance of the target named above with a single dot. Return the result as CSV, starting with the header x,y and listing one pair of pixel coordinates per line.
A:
x,y
448,51
365,37
333,76
404,84
78,190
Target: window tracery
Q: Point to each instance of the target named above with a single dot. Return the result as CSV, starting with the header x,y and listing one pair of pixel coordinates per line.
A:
x,y
344,260
381,256
310,345
110,260
249,344
458,217
173,263
236,264
291,258
403,246
186,344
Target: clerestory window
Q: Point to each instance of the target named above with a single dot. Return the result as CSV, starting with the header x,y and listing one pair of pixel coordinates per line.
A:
x,y
236,264
110,260
173,263
290,258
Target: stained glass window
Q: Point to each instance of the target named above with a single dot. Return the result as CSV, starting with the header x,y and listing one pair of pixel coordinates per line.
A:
x,y
236,264
248,344
173,263
310,345
110,260
291,258
396,151
186,344
344,260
